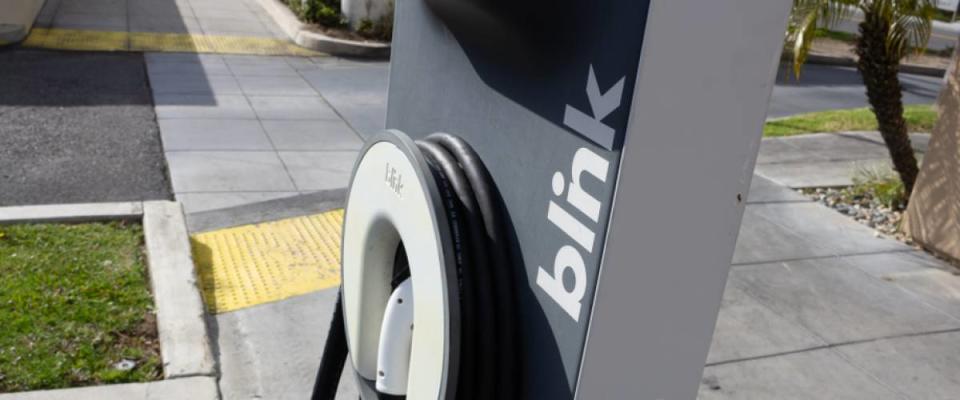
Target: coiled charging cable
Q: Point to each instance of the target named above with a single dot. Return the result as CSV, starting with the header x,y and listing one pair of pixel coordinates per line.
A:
x,y
489,364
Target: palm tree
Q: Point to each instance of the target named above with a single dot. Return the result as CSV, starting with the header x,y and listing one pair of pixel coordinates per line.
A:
x,y
890,30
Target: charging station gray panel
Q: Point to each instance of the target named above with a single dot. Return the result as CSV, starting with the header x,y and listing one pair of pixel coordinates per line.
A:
x,y
698,112
556,166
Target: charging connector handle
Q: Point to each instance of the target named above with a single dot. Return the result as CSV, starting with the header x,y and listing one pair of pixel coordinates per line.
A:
x,y
396,336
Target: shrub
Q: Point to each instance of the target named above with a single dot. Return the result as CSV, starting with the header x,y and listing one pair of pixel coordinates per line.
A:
x,y
322,12
380,30
882,184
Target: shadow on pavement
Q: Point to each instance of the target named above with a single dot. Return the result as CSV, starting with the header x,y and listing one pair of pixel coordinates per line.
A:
x,y
925,87
77,127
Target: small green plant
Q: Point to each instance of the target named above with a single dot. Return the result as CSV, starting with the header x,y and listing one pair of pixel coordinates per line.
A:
x,y
880,183
322,12
381,29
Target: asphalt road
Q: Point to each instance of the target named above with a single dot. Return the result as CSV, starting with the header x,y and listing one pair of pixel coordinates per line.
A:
x,y
822,87
77,127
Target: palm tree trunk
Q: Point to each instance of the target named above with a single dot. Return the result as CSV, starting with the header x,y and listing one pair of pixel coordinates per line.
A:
x,y
879,68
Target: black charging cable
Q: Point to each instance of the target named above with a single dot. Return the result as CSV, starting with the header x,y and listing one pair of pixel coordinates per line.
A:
x,y
490,362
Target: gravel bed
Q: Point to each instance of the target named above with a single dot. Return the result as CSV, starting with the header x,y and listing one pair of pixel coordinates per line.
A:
x,y
864,208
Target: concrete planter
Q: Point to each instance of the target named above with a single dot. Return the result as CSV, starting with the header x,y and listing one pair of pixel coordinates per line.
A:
x,y
16,19
189,368
933,215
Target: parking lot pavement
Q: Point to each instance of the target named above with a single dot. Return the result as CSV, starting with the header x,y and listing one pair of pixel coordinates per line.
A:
x,y
77,127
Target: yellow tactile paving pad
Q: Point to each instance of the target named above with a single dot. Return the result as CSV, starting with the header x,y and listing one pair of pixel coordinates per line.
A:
x,y
73,39
254,264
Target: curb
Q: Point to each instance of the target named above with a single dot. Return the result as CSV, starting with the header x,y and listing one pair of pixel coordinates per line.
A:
x,y
11,34
71,212
265,211
195,388
295,29
184,344
188,365
17,20
818,59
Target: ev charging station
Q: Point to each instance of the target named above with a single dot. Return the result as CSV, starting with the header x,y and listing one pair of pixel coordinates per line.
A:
x,y
554,207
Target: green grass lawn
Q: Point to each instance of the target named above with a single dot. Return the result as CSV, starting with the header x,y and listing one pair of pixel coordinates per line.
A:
x,y
920,118
74,301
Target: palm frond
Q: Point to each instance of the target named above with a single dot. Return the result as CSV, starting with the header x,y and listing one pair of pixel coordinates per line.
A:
x,y
912,27
836,11
803,32
909,21
806,17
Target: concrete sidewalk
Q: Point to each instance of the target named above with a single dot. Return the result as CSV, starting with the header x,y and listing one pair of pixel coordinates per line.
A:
x,y
245,129
817,307
826,159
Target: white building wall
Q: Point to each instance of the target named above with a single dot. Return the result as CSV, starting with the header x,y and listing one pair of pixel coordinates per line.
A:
x,y
358,10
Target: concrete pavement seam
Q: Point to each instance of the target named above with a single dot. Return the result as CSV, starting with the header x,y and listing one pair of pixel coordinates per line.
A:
x,y
329,104
832,346
273,146
778,201
837,256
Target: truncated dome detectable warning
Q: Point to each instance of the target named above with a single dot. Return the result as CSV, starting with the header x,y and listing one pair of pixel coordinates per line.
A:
x,y
620,136
248,265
